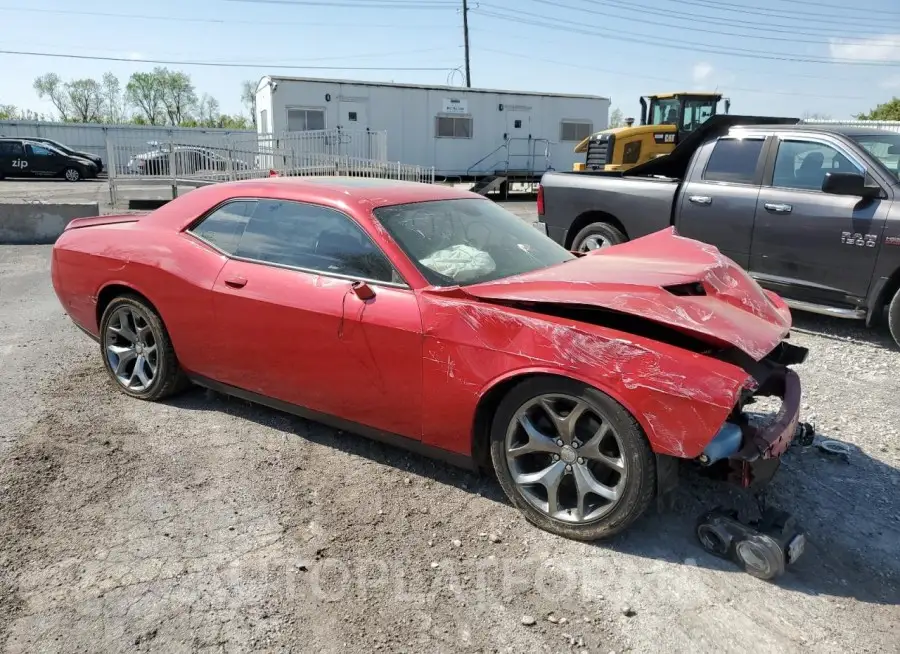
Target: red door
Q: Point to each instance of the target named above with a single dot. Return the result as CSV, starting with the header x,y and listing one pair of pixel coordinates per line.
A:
x,y
307,339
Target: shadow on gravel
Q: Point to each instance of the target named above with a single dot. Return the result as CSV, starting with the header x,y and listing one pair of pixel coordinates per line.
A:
x,y
840,330
850,511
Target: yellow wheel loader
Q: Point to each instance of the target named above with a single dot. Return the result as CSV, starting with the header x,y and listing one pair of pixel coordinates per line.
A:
x,y
666,118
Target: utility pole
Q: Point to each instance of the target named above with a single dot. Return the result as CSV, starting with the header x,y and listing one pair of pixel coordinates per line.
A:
x,y
465,13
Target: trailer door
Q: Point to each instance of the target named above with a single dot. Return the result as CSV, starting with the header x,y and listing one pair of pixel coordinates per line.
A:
x,y
354,118
518,131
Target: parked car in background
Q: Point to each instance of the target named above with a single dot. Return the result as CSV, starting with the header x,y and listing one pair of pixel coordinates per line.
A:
x,y
189,160
98,161
27,158
811,211
434,319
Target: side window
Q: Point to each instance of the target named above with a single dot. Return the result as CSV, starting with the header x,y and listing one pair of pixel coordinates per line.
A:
x,y
313,238
224,226
12,148
304,120
803,165
734,160
575,130
40,151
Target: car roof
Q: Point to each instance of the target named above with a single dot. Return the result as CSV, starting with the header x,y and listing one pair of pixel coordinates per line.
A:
x,y
846,130
343,189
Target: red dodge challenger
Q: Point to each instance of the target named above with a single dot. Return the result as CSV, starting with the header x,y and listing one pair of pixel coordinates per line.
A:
x,y
433,318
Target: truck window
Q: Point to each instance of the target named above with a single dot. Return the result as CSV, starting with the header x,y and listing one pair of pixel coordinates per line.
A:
x,y
884,147
734,160
803,164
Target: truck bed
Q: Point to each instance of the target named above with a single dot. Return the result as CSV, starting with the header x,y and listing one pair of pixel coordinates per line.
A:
x,y
644,204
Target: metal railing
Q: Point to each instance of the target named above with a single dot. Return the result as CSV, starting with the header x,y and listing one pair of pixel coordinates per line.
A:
x,y
505,163
184,162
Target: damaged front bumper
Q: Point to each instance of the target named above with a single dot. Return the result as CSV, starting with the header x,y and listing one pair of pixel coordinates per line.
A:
x,y
748,452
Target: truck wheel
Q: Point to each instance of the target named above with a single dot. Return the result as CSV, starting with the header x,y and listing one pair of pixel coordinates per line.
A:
x,y
597,236
894,317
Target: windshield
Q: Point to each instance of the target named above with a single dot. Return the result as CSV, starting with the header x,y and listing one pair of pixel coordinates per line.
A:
x,y
884,147
468,241
664,112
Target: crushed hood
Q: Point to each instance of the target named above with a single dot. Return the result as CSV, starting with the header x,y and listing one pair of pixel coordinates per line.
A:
x,y
665,278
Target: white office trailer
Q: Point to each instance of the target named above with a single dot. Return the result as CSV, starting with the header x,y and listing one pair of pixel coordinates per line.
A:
x,y
461,132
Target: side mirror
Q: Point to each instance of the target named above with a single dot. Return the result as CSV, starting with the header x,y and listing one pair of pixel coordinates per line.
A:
x,y
363,291
849,184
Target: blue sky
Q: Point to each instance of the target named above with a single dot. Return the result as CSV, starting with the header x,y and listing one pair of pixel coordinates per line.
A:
x,y
773,57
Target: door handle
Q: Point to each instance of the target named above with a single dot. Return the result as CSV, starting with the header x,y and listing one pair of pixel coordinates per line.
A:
x,y
235,282
700,199
778,208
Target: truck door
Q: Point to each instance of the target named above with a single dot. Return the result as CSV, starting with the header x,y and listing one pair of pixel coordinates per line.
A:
x,y
718,199
809,245
43,161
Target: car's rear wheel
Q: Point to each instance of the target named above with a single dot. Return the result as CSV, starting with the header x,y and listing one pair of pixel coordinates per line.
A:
x,y
571,458
137,352
894,317
72,174
597,236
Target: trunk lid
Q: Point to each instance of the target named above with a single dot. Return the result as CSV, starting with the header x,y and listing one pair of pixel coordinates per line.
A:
x,y
111,219
665,278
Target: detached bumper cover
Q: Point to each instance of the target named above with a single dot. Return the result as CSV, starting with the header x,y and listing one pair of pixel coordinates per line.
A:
x,y
773,440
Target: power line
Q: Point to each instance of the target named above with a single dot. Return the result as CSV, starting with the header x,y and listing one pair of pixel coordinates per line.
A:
x,y
359,4
218,64
548,22
817,4
778,13
769,26
218,21
644,20
627,73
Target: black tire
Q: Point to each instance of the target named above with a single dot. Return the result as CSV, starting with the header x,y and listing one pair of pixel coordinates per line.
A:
x,y
894,317
640,462
72,174
168,378
605,231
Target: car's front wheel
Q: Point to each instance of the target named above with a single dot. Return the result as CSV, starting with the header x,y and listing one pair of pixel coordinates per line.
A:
x,y
894,317
137,351
571,458
72,174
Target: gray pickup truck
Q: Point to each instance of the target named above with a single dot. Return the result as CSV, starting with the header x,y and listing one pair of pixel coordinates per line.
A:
x,y
812,212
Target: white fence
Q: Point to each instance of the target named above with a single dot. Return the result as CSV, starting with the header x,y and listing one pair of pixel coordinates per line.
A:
x,y
191,160
92,138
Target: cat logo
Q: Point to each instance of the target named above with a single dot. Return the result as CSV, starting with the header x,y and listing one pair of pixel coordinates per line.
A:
x,y
664,137
860,240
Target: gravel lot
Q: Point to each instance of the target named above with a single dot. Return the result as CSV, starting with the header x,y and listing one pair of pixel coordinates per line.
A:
x,y
208,524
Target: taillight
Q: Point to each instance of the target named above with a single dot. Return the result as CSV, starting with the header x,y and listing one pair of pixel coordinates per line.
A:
x,y
540,200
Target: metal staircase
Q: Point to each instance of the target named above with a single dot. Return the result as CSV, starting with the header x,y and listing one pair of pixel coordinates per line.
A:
x,y
500,174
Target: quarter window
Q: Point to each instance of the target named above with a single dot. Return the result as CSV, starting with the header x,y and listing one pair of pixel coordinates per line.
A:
x,y
734,160
303,120
453,127
313,238
575,130
804,164
224,226
13,148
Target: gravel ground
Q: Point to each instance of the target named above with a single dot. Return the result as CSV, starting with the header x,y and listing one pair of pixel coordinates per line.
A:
x,y
209,524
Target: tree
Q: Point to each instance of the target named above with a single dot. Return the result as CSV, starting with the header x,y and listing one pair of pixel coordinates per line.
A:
x,y
248,97
85,100
144,92
178,94
885,111
616,119
51,86
113,103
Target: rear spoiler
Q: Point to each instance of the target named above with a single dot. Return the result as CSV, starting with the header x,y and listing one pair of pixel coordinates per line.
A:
x,y
95,221
675,164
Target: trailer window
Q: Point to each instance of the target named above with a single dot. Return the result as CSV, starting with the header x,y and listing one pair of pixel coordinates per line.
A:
x,y
453,127
734,160
575,130
303,120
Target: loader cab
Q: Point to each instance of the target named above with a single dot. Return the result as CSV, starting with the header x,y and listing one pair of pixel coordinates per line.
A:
x,y
665,120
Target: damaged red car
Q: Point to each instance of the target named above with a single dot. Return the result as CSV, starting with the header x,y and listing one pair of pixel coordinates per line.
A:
x,y
435,319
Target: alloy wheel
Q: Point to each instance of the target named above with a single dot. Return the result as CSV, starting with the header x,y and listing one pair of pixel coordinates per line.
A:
x,y
72,175
565,458
131,348
594,242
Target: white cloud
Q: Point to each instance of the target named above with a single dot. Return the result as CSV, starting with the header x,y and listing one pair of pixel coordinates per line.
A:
x,y
702,71
877,48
